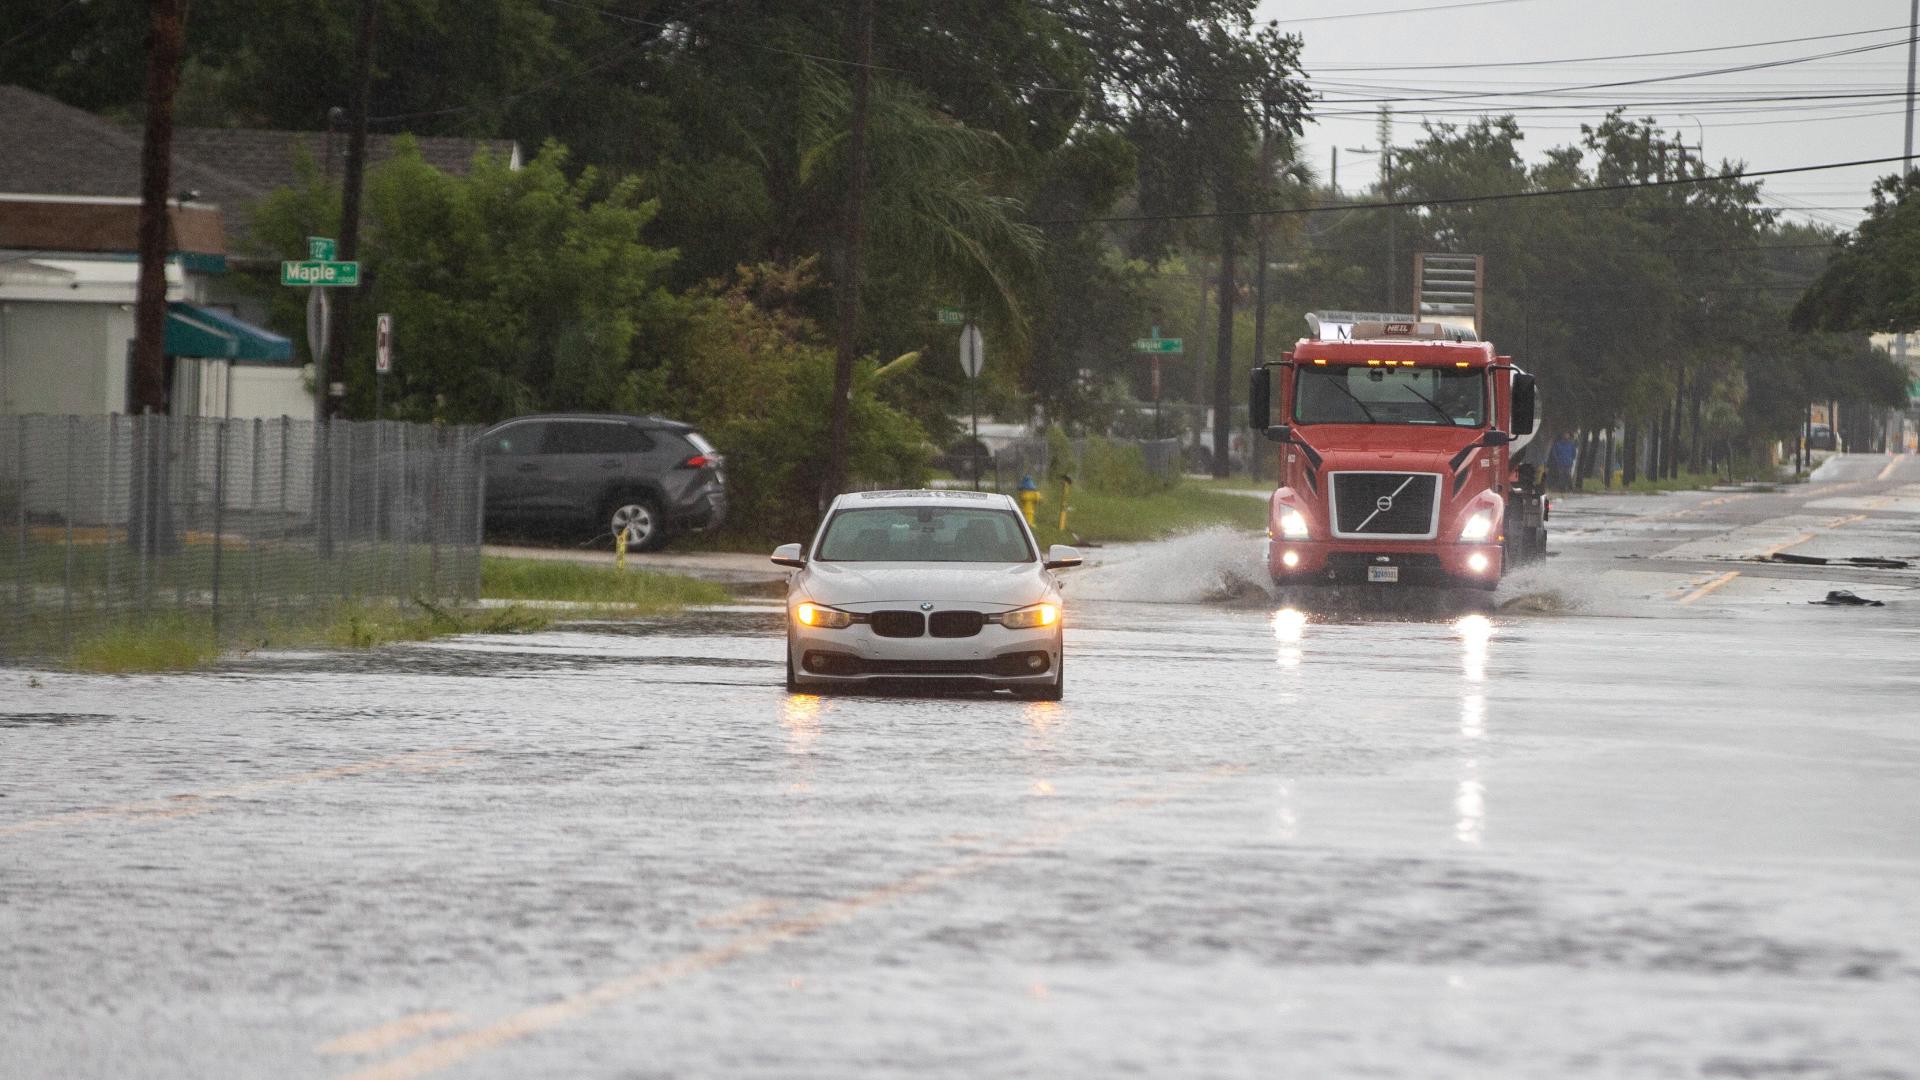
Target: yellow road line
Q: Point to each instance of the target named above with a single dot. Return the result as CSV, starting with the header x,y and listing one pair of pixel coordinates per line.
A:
x,y
1778,548
1843,521
742,915
1891,465
185,805
1709,586
381,1036
450,1051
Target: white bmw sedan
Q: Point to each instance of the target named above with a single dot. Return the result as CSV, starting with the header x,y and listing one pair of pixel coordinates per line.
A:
x,y
925,585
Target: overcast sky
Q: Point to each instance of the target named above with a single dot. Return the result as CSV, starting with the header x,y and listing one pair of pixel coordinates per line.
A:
x,y
1407,55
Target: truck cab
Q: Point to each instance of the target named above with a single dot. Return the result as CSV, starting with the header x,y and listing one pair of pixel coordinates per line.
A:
x,y
1396,457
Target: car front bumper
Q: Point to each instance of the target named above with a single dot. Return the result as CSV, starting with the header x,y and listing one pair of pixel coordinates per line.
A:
x,y
995,656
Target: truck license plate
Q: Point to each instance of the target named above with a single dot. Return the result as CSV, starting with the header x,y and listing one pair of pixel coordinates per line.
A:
x,y
1387,575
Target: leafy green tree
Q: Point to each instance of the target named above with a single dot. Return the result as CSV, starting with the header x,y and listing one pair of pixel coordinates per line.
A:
x,y
511,290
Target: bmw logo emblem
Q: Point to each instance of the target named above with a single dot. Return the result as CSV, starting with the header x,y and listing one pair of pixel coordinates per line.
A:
x,y
927,606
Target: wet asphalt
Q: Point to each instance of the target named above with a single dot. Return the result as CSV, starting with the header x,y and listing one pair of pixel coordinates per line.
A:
x,y
1648,813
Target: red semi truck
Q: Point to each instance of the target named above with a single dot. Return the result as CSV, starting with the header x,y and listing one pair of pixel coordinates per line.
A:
x,y
1397,454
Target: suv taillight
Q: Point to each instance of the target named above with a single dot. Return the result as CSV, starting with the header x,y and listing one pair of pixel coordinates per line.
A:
x,y
699,461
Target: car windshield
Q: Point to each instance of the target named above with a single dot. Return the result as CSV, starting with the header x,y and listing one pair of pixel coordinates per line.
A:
x,y
924,534
1352,394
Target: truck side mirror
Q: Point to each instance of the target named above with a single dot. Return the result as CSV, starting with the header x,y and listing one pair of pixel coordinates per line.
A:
x,y
1260,399
1495,437
1525,404
1279,433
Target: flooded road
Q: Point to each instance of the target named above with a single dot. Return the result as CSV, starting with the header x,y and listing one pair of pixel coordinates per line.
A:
x,y
1651,814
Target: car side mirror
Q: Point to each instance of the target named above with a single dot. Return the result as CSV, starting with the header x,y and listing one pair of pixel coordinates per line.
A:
x,y
1062,557
788,555
1496,437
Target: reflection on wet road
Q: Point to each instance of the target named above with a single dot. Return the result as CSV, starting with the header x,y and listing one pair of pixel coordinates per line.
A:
x,y
1592,831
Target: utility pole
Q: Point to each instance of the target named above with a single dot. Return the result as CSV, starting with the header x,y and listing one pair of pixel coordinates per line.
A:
x,y
166,46
1393,220
1260,227
1223,352
1906,165
333,367
848,292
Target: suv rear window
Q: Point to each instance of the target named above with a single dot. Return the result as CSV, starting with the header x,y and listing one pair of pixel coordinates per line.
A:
x,y
701,444
594,437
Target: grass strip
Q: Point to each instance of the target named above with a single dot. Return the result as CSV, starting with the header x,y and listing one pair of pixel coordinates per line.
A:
x,y
640,592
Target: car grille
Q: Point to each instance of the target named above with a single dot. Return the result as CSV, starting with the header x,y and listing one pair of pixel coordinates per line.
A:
x,y
952,624
898,623
1409,501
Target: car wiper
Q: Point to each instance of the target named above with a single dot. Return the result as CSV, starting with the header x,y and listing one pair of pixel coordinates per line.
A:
x,y
1341,385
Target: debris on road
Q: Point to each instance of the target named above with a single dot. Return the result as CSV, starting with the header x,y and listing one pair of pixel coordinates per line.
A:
x,y
1843,598
1875,562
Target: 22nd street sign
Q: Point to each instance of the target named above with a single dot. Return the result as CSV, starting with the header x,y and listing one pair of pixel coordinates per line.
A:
x,y
320,272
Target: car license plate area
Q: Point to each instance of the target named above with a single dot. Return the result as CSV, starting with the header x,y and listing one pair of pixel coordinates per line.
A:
x,y
1383,575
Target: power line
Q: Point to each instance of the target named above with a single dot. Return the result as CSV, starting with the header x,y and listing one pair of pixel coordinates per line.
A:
x,y
1401,11
1615,56
1464,200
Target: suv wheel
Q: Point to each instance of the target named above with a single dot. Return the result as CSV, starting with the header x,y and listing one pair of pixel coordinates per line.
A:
x,y
638,517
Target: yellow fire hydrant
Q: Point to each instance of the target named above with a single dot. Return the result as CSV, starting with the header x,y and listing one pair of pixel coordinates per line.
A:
x,y
1029,497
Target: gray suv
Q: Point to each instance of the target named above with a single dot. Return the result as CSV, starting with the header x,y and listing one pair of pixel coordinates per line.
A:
x,y
603,474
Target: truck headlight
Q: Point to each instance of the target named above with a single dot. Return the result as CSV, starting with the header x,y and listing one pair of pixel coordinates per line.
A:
x,y
1293,525
824,617
1029,617
1478,527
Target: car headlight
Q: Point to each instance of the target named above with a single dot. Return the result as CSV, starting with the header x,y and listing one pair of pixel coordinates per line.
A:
x,y
1478,527
1029,617
825,618
1293,525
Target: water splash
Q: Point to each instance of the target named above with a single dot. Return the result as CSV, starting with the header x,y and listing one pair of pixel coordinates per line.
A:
x,y
1213,566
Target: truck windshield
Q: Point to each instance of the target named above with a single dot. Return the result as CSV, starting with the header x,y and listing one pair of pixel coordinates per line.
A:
x,y
1351,394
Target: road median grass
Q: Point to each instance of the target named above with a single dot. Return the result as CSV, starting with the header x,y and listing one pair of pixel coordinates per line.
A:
x,y
185,641
1187,507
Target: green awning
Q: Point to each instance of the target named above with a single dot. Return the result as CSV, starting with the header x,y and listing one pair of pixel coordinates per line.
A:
x,y
200,332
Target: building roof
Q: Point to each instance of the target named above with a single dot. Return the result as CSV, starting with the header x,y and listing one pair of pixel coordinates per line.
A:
x,y
54,149
265,160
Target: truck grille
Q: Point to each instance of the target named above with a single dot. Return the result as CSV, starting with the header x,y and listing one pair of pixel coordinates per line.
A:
x,y
1384,504
898,623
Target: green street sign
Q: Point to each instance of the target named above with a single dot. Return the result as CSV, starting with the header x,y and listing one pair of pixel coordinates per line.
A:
x,y
1159,345
320,248
320,272
950,316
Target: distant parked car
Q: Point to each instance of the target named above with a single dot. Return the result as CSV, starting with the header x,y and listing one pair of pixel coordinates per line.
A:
x,y
602,475
1821,437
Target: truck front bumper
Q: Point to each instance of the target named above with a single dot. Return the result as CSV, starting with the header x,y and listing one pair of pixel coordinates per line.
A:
x,y
1343,562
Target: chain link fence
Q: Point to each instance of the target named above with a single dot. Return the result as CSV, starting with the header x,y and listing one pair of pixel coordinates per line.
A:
x,y
110,521
1034,457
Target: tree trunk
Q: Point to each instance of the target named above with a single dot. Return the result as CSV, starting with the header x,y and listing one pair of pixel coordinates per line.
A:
x,y
1223,356
1583,468
1630,455
848,295
1606,474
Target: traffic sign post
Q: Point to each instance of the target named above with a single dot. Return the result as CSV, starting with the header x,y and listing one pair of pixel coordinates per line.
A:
x,y
1155,347
321,273
973,359
382,362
